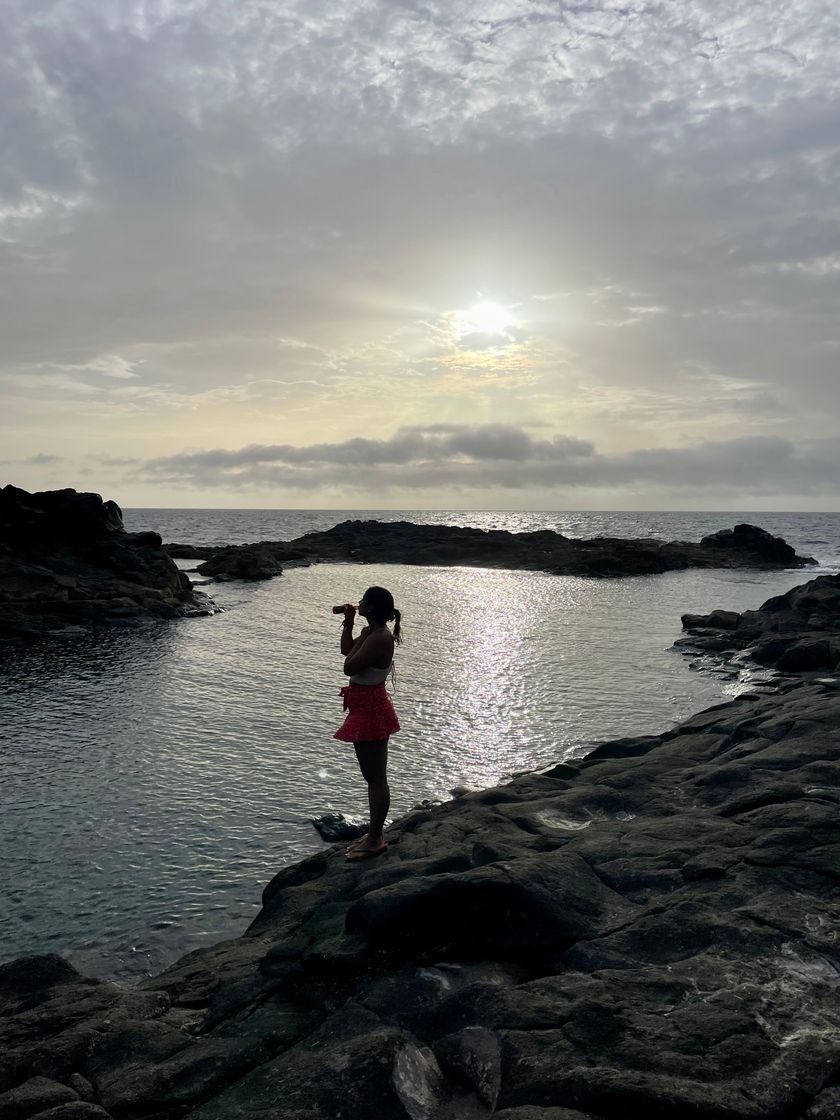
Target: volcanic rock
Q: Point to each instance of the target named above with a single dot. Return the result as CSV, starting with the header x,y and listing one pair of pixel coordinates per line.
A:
x,y
795,632
66,562
249,562
403,542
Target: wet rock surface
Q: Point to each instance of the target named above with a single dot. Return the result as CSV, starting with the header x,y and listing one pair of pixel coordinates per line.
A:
x,y
796,632
402,542
651,932
67,564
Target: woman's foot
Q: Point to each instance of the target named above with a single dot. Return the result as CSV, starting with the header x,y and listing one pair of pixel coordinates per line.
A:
x,y
366,848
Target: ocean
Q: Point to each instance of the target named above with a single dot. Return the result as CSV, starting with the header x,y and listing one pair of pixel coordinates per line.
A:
x,y
154,779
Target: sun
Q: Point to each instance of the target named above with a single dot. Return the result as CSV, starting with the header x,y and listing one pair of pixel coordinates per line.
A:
x,y
483,318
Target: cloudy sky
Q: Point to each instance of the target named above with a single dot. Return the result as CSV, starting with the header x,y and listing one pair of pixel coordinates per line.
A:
x,y
537,254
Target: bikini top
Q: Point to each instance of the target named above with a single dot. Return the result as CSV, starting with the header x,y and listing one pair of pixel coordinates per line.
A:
x,y
371,675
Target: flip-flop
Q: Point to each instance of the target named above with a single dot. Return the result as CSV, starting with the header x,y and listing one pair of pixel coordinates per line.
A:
x,y
356,855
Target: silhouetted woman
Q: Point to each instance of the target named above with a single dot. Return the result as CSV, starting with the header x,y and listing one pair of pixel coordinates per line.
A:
x,y
371,718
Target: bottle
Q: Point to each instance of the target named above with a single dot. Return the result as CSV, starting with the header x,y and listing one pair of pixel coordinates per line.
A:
x,y
343,608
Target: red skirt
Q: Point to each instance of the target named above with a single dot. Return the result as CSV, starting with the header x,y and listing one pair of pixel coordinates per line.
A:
x,y
370,714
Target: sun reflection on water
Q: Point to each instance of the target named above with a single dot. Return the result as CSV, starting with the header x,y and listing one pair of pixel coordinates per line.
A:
x,y
491,669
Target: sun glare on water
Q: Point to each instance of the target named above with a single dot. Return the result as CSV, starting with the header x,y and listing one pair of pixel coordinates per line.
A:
x,y
483,318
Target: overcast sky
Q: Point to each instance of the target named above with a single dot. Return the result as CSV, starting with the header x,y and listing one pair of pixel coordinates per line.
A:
x,y
454,254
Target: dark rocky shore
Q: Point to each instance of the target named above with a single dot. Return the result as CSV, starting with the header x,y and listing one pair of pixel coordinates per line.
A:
x,y
794,632
652,933
402,542
67,563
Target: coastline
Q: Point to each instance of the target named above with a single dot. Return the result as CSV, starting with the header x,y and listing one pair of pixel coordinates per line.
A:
x,y
650,928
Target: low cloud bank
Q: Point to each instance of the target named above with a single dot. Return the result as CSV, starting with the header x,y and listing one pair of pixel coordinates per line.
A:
x,y
476,457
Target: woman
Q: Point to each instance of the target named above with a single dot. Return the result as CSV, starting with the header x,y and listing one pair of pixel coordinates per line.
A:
x,y
371,718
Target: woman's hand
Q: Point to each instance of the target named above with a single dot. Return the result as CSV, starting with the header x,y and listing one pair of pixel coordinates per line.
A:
x,y
347,640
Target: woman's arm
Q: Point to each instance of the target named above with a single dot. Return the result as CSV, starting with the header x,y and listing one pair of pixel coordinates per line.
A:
x,y
348,644
376,649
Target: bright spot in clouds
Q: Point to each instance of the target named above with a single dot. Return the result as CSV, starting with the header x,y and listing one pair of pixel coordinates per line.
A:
x,y
483,318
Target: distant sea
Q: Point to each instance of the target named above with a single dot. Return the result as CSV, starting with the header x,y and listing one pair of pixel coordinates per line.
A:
x,y
154,779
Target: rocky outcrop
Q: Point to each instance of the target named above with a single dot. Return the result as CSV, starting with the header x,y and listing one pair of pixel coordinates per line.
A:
x,y
650,932
262,560
67,562
191,551
796,632
249,561
402,542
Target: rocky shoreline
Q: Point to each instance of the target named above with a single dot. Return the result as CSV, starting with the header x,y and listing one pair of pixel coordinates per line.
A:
x,y
403,542
794,632
67,565
651,932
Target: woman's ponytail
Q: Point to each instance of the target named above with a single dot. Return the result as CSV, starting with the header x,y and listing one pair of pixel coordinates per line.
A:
x,y
397,617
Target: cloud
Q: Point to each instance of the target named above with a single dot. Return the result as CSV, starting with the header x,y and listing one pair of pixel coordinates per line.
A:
x,y
506,457
438,443
42,459
243,218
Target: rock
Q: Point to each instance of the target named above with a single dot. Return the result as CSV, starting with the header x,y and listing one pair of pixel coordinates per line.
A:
x,y
82,1086
403,542
407,543
27,980
75,1110
755,542
418,1081
335,828
144,1080
808,654
260,560
717,620
769,652
67,563
344,1068
38,519
826,1106
797,632
248,562
33,1097
536,905
532,1112
190,551
474,1053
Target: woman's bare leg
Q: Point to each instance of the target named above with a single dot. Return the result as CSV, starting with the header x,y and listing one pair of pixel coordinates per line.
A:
x,y
373,763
